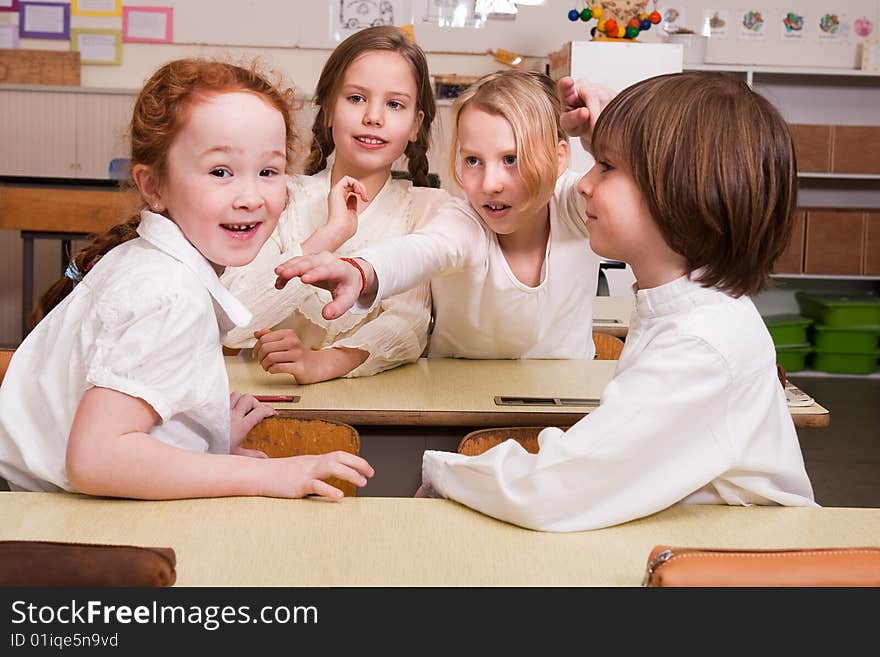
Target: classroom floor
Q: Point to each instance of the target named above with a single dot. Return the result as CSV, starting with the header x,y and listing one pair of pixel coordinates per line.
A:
x,y
843,460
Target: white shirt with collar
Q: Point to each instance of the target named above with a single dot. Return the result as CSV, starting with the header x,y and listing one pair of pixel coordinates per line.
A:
x,y
147,321
481,310
694,414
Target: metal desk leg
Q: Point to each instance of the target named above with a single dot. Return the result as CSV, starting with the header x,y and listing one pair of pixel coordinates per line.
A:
x,y
27,279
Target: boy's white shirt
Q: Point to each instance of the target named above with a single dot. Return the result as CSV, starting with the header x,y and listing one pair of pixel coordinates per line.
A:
x,y
481,309
393,333
694,414
147,321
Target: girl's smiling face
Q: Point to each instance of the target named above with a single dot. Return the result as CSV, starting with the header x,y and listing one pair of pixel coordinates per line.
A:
x,y
374,113
224,184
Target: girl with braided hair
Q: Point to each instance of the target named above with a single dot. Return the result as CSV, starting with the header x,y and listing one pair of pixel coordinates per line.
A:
x,y
375,104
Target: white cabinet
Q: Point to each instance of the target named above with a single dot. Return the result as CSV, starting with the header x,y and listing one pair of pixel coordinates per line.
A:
x,y
62,132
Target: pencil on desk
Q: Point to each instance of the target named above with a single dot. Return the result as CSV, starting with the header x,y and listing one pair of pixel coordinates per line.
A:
x,y
276,398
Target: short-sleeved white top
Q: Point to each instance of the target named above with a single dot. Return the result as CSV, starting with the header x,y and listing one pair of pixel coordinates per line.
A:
x,y
147,321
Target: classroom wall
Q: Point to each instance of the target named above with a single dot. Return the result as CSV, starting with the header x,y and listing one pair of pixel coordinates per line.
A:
x,y
295,37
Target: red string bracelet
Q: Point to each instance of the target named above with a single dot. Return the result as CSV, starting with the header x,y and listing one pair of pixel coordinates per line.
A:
x,y
354,264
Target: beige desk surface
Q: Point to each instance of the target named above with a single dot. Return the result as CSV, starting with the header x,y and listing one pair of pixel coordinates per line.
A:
x,y
438,391
406,541
612,314
452,392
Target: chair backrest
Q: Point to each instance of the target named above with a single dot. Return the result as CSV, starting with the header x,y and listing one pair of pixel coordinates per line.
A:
x,y
5,357
477,442
119,169
280,436
608,347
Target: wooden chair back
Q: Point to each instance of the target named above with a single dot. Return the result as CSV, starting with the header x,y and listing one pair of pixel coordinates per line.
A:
x,y
477,442
5,357
280,436
608,347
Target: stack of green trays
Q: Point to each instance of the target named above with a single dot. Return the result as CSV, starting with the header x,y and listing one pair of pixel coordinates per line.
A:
x,y
789,333
846,331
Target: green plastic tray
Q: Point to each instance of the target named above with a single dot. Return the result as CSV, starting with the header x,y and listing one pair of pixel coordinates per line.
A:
x,y
829,361
840,310
788,329
848,340
793,358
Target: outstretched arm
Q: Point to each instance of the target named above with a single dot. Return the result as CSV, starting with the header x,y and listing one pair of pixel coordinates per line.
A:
x,y
340,277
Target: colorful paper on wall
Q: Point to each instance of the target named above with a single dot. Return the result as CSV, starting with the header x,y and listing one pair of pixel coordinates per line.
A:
x,y
8,36
148,24
96,7
44,20
97,46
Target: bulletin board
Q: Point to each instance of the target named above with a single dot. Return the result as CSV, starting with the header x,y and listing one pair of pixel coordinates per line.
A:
x,y
536,31
255,23
802,33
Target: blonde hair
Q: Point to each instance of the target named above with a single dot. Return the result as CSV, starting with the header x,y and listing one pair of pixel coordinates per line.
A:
x,y
528,102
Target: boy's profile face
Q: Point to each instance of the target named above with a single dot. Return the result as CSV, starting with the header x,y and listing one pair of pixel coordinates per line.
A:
x,y
620,224
225,185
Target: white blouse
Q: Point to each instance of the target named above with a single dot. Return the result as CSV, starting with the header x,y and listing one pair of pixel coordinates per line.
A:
x,y
394,332
147,320
694,414
481,309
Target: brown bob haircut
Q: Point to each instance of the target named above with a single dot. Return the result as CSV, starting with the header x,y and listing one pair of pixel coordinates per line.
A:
x,y
716,166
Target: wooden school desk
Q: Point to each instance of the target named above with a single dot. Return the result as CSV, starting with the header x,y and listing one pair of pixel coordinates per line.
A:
x,y
58,209
433,403
456,392
612,314
408,542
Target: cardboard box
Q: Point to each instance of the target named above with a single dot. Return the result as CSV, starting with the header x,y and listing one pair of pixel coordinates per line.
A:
x,y
872,244
792,259
812,144
856,149
834,243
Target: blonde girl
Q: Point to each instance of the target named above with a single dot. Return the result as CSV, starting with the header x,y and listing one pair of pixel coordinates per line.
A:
x,y
121,389
375,104
511,270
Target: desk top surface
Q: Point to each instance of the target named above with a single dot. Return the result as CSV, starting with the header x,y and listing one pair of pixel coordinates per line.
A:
x,y
455,392
612,314
408,542
441,391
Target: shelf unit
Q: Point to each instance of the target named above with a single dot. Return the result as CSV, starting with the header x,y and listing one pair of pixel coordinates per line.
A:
x,y
824,97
